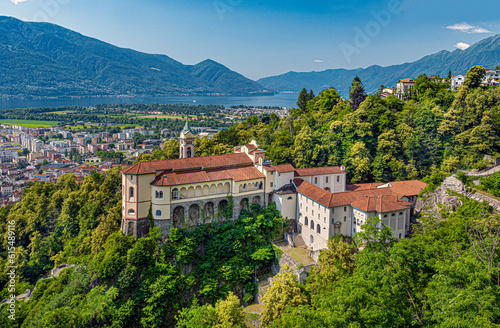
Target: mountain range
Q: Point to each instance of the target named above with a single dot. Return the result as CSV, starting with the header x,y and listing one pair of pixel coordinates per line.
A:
x,y
485,53
46,60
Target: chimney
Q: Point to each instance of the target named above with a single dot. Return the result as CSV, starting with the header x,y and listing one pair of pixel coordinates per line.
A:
x,y
342,168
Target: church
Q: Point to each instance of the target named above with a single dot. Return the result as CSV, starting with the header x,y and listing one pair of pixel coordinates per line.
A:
x,y
190,191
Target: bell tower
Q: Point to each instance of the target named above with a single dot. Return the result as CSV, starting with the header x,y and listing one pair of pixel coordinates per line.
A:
x,y
186,142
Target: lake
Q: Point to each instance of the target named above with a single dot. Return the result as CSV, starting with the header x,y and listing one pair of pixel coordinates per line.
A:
x,y
281,100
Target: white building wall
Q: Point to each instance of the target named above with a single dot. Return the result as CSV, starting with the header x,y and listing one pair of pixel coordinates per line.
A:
x,y
281,179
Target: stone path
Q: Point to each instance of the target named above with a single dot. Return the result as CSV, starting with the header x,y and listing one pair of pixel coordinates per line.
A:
x,y
452,183
484,173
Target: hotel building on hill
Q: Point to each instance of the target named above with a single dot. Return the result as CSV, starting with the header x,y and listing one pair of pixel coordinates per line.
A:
x,y
189,191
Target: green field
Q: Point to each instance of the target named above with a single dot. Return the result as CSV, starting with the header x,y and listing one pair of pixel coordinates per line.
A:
x,y
30,123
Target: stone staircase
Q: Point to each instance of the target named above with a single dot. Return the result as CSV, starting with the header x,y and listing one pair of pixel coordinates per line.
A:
x,y
298,241
453,184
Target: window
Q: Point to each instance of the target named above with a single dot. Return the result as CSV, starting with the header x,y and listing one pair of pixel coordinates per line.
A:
x,y
290,198
300,205
175,193
326,179
271,184
312,212
345,218
324,219
315,180
158,213
319,217
318,228
306,221
159,194
272,172
385,215
393,214
131,212
261,185
312,224
400,213
319,206
307,209
399,236
345,209
338,178
333,211
131,192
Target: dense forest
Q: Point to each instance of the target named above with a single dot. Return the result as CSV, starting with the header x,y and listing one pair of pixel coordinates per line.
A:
x,y
446,275
436,131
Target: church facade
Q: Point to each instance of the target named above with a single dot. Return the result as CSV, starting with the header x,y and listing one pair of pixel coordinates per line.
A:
x,y
189,191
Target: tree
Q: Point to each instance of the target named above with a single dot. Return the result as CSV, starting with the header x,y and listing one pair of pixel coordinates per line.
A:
x,y
303,99
335,262
474,77
303,148
356,93
284,292
449,75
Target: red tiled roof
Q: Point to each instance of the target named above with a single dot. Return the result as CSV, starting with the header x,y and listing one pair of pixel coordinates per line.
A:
x,y
406,81
192,163
280,168
362,186
178,178
407,188
318,171
328,199
381,204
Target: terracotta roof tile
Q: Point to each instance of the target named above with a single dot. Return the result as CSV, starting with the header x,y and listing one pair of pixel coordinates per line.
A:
x,y
318,171
328,199
170,178
362,186
192,163
280,168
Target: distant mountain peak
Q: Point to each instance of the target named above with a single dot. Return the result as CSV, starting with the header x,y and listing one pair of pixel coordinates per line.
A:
x,y
43,59
485,52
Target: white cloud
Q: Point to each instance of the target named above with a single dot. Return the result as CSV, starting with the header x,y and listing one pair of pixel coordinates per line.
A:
x,y
18,1
467,28
462,45
319,61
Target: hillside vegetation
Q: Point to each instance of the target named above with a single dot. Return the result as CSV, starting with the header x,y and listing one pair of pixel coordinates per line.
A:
x,y
46,60
447,275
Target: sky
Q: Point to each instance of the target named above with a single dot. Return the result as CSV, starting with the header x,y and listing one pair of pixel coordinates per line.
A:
x,y
264,38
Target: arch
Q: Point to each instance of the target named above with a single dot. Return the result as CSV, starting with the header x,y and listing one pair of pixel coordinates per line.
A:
x,y
194,215
197,191
213,189
158,213
175,194
241,188
131,192
227,188
221,208
131,212
290,198
178,221
255,186
244,205
336,228
190,193
306,221
189,152
311,239
206,190
312,225
183,193
245,188
318,228
393,214
256,200
209,212
220,188
328,189
261,185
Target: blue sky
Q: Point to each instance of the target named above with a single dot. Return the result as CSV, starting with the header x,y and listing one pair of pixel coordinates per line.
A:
x,y
263,38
